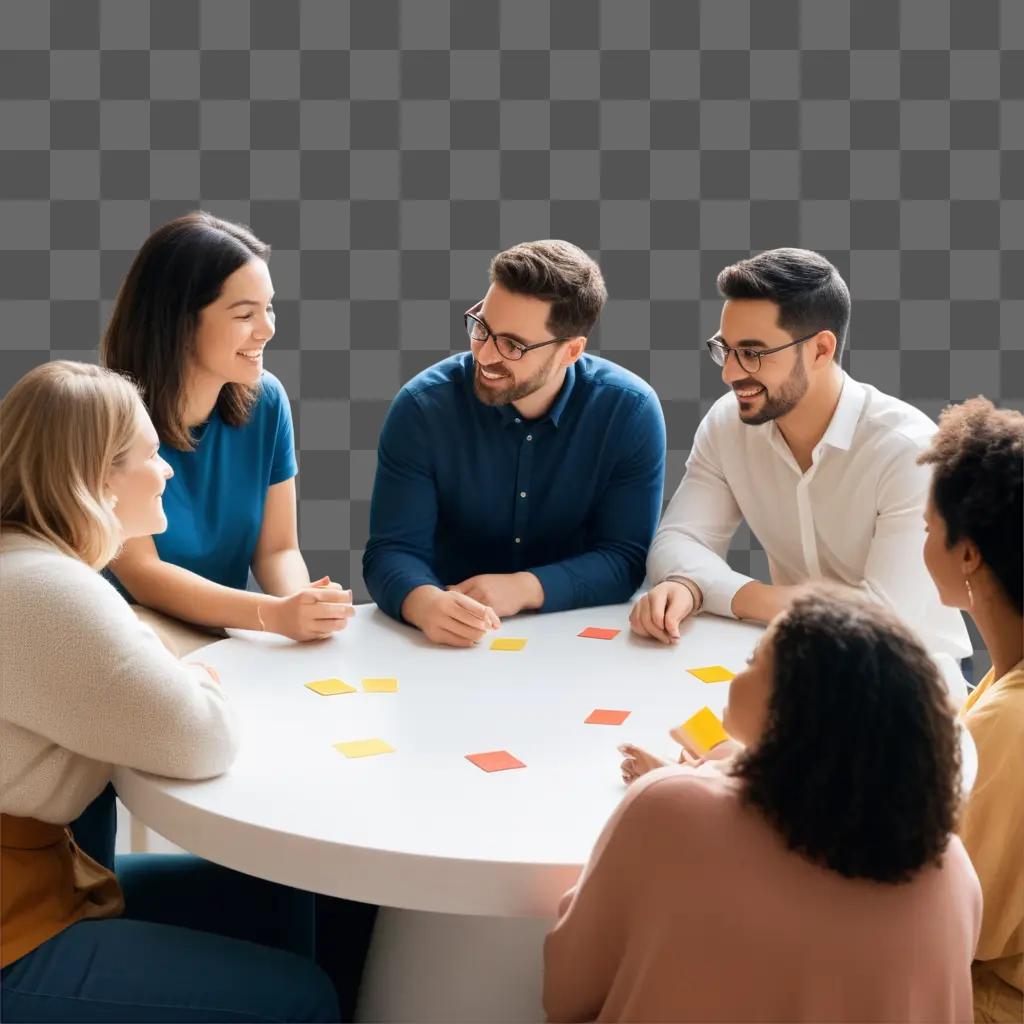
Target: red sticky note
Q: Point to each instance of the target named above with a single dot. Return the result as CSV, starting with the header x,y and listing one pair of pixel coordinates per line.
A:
x,y
602,716
495,761
597,633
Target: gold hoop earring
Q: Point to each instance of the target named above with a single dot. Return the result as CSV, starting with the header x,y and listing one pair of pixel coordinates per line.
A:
x,y
970,592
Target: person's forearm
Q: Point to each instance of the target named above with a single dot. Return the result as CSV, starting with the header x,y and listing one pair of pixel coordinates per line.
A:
x,y
281,572
761,602
175,591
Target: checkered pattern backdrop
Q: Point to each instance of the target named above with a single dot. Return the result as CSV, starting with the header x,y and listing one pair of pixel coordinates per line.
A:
x,y
387,148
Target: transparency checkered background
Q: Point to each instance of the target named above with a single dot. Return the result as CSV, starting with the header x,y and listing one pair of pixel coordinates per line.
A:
x,y
387,148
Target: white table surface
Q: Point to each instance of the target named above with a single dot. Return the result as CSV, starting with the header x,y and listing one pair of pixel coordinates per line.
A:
x,y
423,828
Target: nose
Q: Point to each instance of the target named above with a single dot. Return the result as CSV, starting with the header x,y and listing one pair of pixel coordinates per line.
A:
x,y
265,328
494,351
167,471
732,371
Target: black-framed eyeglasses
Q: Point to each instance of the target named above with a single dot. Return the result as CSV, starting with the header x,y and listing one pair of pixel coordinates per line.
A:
x,y
749,359
508,347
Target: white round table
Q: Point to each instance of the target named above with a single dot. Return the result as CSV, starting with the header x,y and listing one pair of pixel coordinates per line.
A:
x,y
422,828
457,852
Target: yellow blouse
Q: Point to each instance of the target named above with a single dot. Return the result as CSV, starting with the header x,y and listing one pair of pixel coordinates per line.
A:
x,y
992,827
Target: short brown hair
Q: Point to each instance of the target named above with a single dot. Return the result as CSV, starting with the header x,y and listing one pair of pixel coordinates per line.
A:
x,y
810,293
978,486
557,272
65,425
179,270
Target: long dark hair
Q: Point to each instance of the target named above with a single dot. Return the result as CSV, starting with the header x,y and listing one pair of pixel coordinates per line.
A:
x,y
859,767
179,270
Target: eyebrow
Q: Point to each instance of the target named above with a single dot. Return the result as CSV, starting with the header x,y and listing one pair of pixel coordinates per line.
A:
x,y
247,302
743,343
504,334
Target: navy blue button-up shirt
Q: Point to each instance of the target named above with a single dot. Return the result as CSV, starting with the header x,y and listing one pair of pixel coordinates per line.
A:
x,y
464,488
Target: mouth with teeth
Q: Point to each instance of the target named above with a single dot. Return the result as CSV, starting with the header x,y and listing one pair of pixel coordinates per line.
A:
x,y
254,356
747,394
488,375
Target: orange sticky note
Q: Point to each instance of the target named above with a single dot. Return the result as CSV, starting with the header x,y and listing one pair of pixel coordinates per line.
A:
x,y
704,730
364,748
495,761
380,686
712,674
508,643
597,633
330,687
602,716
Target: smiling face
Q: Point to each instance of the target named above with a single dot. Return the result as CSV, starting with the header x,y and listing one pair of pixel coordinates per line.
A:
x,y
750,692
137,481
782,379
233,329
498,380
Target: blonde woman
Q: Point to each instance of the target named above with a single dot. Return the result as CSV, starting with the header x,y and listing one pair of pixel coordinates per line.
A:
x,y
87,687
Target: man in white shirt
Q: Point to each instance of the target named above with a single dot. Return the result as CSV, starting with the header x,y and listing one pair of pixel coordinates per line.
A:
x,y
823,468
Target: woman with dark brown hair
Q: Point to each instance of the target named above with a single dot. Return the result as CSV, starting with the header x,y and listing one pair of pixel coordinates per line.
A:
x,y
813,877
975,554
190,325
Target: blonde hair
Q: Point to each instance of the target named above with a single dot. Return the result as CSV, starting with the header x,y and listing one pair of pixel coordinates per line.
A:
x,y
63,427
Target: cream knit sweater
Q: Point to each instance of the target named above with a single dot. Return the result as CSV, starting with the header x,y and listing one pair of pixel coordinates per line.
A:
x,y
84,687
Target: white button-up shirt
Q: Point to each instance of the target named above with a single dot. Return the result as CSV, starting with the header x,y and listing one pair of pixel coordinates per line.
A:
x,y
855,517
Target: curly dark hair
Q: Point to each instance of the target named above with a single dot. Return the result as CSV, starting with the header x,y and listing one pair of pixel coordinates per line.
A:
x,y
978,486
859,766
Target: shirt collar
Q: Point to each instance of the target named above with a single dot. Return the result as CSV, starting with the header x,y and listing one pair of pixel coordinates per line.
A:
x,y
843,424
841,428
509,413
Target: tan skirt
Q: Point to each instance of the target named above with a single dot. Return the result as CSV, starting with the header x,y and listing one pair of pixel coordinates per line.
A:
x,y
46,884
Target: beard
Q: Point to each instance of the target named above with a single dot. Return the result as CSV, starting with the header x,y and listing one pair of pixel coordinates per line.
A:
x,y
784,400
511,390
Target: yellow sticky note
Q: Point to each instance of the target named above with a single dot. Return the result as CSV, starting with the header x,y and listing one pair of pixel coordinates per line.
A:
x,y
380,686
712,674
704,730
364,748
508,643
330,687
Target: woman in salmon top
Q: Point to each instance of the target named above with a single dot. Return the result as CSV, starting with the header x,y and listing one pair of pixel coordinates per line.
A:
x,y
814,876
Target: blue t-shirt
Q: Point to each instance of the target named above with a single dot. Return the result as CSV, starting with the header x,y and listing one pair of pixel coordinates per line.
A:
x,y
215,500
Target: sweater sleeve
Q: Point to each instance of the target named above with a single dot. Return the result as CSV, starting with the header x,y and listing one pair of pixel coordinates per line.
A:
x,y
584,951
83,672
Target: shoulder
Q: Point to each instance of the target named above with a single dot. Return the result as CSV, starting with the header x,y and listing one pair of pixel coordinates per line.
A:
x,y
41,583
272,395
897,425
442,379
675,792
597,376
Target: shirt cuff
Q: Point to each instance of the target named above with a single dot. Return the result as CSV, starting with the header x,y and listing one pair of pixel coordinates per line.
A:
x,y
557,586
397,592
719,592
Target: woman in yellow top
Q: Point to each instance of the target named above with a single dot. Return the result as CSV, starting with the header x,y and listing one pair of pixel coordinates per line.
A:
x,y
975,555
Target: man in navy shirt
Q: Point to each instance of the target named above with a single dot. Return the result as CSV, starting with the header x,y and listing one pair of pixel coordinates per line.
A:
x,y
523,474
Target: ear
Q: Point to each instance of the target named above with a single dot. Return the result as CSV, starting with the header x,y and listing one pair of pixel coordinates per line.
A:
x,y
970,557
573,350
824,345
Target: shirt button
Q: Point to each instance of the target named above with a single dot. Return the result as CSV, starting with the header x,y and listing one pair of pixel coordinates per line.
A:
x,y
518,420
529,437
522,494
519,540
